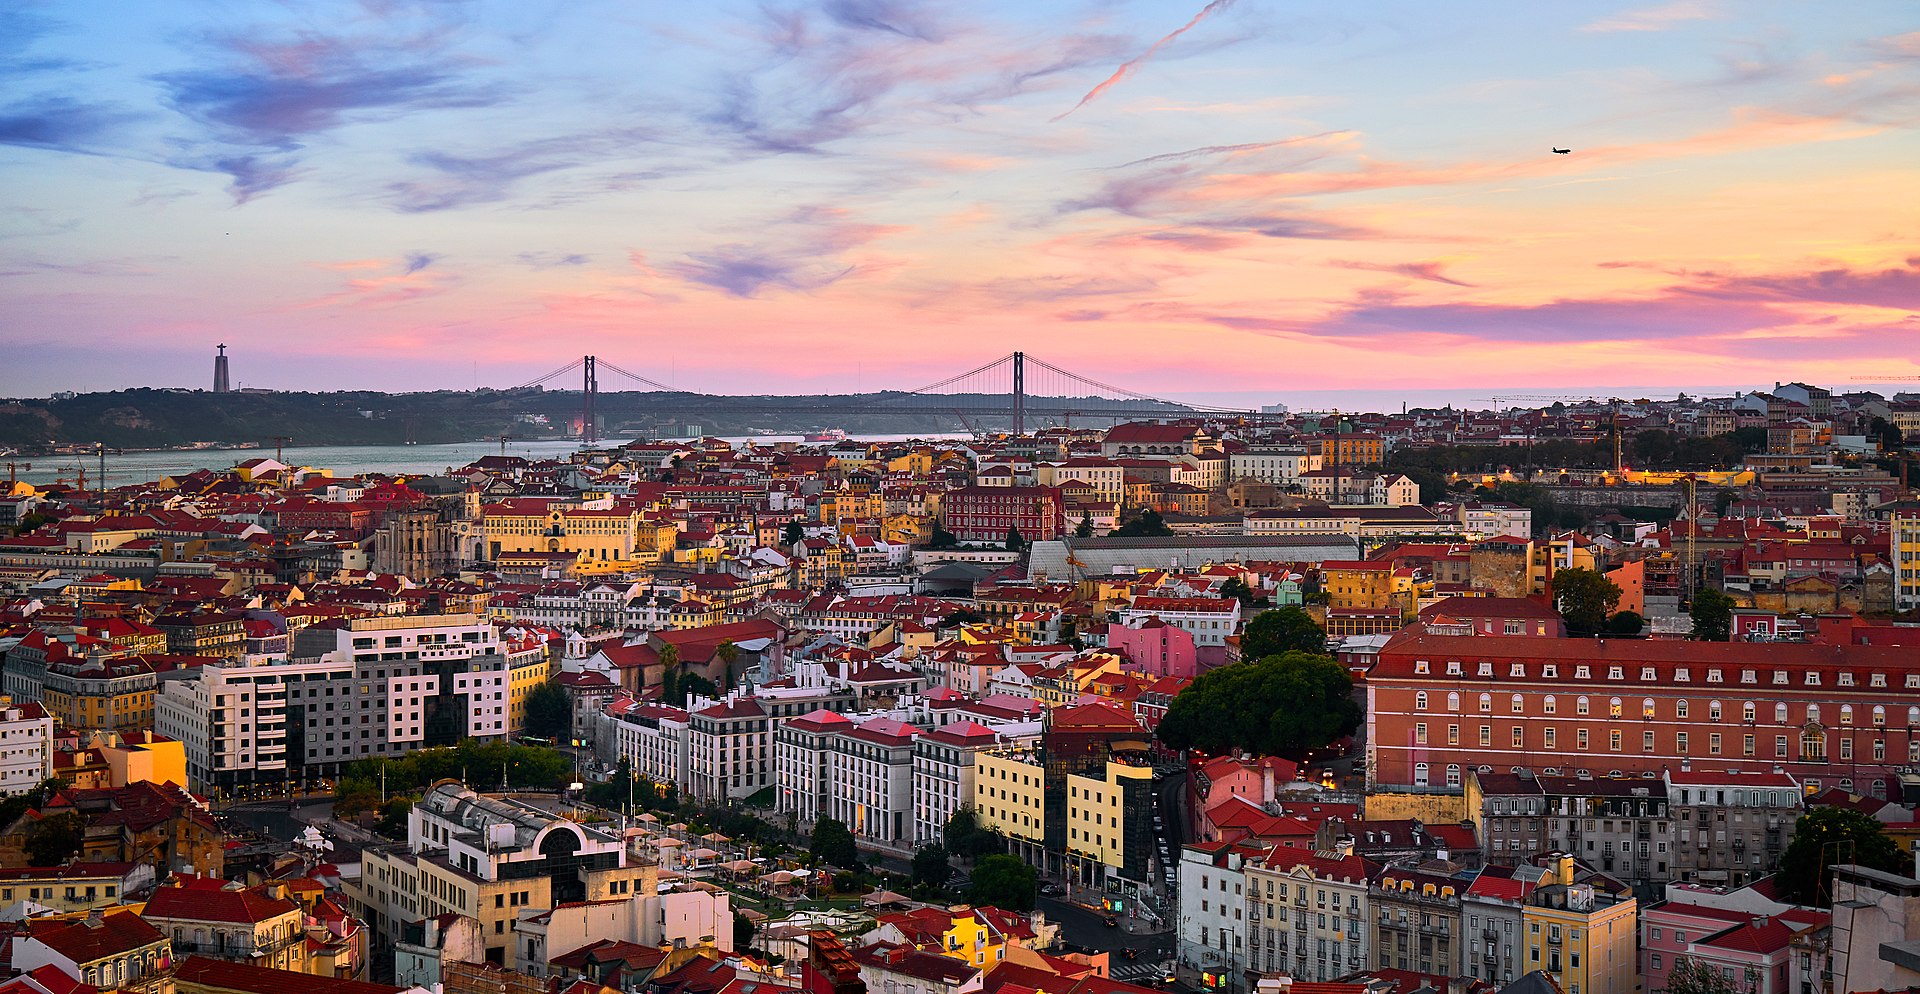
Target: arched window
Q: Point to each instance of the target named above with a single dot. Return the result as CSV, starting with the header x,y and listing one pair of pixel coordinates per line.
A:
x,y
1713,710
1779,714
1646,707
1613,708
1453,774
1846,714
1486,703
1879,715
1453,702
1420,701
1813,714
1580,706
1518,707
1913,716
1549,705
1420,774
1813,746
1746,711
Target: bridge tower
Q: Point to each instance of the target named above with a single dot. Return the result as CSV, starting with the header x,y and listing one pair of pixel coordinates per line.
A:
x,y
590,388
1019,394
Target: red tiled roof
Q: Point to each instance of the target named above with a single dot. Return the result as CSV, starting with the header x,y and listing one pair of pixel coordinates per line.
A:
x,y
220,975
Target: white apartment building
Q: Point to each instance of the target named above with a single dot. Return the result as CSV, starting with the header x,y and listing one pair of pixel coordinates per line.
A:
x,y
26,747
871,769
1208,619
353,689
1495,944
800,749
1280,465
1107,478
731,747
943,775
1307,914
1214,927
652,738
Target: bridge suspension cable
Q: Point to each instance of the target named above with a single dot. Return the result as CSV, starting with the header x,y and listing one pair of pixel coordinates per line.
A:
x,y
536,381
657,385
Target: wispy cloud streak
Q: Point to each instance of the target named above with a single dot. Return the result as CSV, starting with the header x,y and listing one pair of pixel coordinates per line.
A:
x,y
1127,68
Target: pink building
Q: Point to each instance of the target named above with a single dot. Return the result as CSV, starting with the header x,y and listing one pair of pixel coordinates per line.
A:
x,y
1156,649
1753,951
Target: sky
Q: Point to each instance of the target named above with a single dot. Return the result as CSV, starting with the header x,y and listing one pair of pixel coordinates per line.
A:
x,y
1247,201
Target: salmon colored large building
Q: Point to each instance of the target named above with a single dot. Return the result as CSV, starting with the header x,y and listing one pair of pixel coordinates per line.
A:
x,y
1830,715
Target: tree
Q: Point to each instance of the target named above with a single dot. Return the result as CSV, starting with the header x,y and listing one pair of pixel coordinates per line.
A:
x,y
1085,528
931,869
1825,837
1237,589
794,534
1015,541
1712,613
742,931
1689,976
1006,882
728,654
55,839
1723,499
1286,629
962,616
966,837
1287,703
941,538
1626,623
833,844
1147,525
550,712
1584,598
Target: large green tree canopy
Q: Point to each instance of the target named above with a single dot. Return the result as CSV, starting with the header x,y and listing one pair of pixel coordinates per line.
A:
x,y
1281,704
1824,837
1286,629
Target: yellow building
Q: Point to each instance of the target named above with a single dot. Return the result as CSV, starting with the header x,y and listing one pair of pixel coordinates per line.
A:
x,y
1009,794
532,525
145,756
919,462
1582,936
1906,556
1371,586
523,674
1568,550
101,692
1097,816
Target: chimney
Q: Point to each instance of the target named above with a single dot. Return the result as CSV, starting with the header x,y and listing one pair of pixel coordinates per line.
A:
x,y
1563,869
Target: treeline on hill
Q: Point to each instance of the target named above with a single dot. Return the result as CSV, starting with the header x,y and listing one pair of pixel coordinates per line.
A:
x,y
157,418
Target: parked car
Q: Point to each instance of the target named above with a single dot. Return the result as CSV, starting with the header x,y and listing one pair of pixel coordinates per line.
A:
x,y
1111,921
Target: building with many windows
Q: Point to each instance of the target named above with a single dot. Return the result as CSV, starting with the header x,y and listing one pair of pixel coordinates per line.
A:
x,y
730,748
1828,715
1307,914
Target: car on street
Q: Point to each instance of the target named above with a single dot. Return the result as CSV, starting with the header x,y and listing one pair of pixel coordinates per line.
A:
x,y
1049,889
1110,921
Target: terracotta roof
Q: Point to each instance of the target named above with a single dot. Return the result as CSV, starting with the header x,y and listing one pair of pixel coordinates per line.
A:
x,y
220,975
84,940
196,902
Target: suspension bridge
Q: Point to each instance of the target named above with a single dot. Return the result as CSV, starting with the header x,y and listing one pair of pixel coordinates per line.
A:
x,y
1025,390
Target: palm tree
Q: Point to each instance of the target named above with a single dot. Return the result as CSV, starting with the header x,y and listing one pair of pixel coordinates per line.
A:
x,y
727,652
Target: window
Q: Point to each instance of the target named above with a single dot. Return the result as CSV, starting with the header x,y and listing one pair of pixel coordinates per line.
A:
x,y
1613,708
1680,743
1680,709
1453,702
1746,745
1780,747
1550,737
1486,703
1420,701
1519,737
1580,706
1582,736
1518,707
1453,774
1613,740
1746,712
1646,741
1486,735
1713,744
1453,735
1420,734
1549,706
1419,780
1779,714
1713,710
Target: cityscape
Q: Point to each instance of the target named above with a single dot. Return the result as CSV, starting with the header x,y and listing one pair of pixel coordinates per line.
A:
x,y
893,497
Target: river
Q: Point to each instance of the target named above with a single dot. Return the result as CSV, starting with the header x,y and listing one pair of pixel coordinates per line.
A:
x,y
342,460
